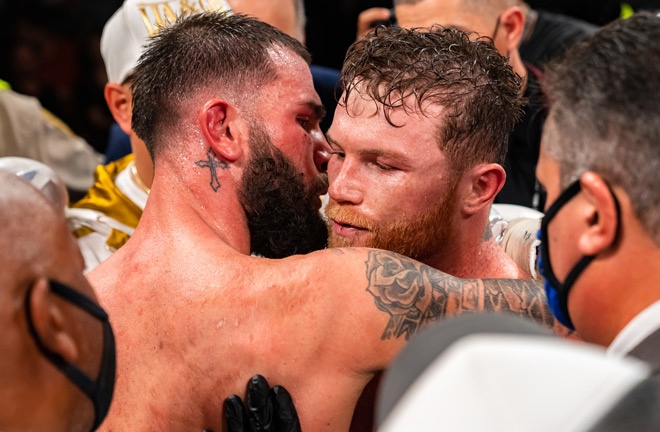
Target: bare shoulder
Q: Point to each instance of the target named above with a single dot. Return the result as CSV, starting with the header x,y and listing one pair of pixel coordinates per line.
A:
x,y
412,294
104,277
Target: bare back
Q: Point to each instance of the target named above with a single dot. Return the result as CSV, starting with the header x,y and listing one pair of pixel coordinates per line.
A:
x,y
188,340
321,324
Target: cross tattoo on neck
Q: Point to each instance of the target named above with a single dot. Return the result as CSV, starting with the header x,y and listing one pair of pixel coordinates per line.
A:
x,y
212,163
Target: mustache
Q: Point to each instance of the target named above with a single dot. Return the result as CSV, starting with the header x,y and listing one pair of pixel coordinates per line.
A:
x,y
345,215
318,186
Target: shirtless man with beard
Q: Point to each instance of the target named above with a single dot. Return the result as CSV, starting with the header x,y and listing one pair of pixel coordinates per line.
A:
x,y
227,108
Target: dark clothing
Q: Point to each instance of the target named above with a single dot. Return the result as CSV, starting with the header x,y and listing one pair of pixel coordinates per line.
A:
x,y
639,411
520,164
326,83
552,34
119,144
649,351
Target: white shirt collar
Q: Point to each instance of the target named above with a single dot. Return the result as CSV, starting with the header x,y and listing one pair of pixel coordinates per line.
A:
x,y
638,329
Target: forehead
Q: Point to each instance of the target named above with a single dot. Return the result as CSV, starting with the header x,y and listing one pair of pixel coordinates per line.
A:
x,y
363,125
452,13
294,83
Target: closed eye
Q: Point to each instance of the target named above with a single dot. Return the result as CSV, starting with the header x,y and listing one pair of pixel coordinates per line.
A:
x,y
383,167
340,154
305,123
334,149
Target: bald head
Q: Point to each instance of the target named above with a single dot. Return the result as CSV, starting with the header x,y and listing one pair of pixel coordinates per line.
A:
x,y
36,249
35,240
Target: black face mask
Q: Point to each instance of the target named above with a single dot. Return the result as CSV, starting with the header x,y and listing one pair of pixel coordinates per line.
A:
x,y
99,391
556,291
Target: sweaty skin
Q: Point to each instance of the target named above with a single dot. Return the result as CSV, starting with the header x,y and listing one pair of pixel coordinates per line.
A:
x,y
298,321
384,177
196,316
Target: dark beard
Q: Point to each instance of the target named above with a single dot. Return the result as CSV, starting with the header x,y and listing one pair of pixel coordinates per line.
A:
x,y
280,210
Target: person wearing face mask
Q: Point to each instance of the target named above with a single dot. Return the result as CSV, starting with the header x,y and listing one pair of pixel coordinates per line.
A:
x,y
58,352
599,164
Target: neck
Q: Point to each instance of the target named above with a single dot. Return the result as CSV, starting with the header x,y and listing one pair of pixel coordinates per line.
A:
x,y
485,260
58,408
210,218
518,67
631,280
474,255
144,168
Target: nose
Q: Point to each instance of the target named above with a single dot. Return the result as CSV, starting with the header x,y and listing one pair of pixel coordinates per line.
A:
x,y
343,181
321,153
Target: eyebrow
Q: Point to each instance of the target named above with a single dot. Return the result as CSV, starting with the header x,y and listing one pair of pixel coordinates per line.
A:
x,y
318,109
402,159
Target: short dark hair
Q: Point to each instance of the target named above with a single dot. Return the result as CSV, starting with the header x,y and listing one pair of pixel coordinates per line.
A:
x,y
202,51
470,79
604,98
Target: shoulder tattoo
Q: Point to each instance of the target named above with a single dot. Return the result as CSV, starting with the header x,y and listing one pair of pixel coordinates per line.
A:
x,y
414,294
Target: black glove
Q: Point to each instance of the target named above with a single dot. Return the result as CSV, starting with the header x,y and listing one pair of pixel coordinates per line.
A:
x,y
268,410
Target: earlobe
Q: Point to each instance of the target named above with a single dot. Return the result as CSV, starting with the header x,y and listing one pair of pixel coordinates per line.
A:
x,y
50,323
599,214
486,181
513,22
217,122
119,101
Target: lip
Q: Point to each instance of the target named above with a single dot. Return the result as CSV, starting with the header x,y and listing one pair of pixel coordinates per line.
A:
x,y
346,230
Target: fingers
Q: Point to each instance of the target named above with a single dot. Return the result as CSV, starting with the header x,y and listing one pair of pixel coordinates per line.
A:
x,y
235,415
259,404
268,410
286,416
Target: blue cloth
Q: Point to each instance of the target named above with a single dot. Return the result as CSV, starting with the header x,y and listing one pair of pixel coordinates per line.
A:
x,y
119,145
326,83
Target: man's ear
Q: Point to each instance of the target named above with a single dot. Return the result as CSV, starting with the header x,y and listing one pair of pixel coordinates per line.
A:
x,y
599,215
50,321
485,182
512,22
120,102
218,122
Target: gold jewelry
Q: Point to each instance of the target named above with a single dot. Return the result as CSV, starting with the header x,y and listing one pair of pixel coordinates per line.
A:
x,y
137,180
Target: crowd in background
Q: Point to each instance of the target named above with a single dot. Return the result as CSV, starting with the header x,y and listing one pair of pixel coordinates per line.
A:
x,y
51,49
215,282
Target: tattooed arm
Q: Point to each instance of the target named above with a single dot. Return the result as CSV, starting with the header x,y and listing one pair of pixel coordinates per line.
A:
x,y
413,294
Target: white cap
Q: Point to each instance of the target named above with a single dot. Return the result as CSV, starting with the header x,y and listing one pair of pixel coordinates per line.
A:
x,y
127,32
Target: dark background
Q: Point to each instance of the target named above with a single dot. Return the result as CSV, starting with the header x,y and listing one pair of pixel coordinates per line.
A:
x,y
50,48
